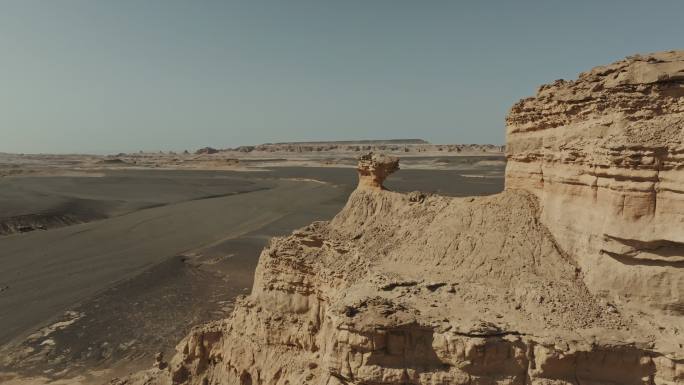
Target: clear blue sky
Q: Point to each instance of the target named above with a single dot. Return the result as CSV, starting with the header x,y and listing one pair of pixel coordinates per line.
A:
x,y
125,75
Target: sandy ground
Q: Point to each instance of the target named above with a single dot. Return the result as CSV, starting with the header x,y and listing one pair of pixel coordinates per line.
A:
x,y
77,299
76,199
61,266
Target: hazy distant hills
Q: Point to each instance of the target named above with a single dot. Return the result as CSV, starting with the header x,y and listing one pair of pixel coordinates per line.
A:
x,y
401,146
378,141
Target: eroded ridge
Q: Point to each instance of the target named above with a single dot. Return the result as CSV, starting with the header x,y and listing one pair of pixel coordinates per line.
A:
x,y
436,290
570,276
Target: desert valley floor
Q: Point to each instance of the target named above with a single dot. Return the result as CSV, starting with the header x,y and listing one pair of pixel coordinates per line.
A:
x,y
109,269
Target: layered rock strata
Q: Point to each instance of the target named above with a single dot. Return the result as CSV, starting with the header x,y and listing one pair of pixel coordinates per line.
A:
x,y
373,169
605,156
506,289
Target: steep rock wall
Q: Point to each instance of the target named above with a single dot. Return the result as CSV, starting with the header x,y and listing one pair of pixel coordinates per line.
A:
x,y
605,156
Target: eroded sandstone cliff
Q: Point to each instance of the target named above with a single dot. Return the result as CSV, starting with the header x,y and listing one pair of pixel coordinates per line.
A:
x,y
561,279
605,156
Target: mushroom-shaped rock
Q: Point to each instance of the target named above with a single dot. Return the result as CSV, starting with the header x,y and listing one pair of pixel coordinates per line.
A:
x,y
374,169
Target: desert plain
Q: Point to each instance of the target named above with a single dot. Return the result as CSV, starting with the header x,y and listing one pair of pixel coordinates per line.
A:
x,y
109,260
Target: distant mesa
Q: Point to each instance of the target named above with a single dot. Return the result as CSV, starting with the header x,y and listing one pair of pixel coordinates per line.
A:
x,y
206,151
403,146
245,149
364,146
112,161
374,141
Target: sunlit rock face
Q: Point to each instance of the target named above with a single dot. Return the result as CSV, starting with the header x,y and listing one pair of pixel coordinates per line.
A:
x,y
573,275
605,156
373,169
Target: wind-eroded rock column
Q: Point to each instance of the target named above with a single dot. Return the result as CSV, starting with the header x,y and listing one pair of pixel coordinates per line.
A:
x,y
374,169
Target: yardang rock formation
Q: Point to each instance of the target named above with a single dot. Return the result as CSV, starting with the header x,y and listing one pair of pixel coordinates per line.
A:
x,y
605,156
572,275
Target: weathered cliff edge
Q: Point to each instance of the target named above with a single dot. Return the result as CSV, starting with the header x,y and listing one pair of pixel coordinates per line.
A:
x,y
417,289
605,156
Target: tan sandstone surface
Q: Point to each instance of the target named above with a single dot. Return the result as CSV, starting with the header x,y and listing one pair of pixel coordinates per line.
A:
x,y
605,156
573,275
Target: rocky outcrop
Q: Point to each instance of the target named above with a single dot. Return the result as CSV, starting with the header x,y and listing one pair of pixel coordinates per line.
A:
x,y
373,169
402,146
605,156
505,289
206,151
